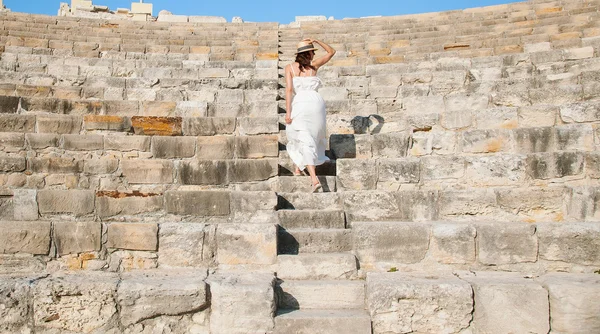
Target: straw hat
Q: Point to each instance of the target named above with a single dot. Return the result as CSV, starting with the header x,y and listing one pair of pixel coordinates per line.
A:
x,y
305,46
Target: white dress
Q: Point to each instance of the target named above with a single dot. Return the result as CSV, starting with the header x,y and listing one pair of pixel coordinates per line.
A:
x,y
307,137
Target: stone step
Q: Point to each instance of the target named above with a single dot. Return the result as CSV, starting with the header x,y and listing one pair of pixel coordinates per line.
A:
x,y
287,167
296,241
321,294
290,184
295,219
310,201
322,322
330,266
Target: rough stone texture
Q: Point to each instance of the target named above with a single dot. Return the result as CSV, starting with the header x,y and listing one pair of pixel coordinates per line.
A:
x,y
15,312
323,322
77,202
496,170
453,243
316,266
253,206
147,295
390,242
92,294
215,147
106,122
198,203
186,245
157,126
242,304
204,172
507,243
133,236
56,165
508,303
390,145
574,302
63,124
356,174
371,206
110,204
77,237
24,237
533,204
253,147
407,303
10,164
127,143
173,147
321,294
570,242
208,126
247,170
239,244
82,142
148,171
25,204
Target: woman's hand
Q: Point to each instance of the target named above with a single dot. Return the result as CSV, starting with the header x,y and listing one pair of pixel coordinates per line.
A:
x,y
288,119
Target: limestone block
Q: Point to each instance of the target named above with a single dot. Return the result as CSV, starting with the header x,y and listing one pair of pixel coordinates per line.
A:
x,y
77,202
213,73
509,303
592,162
106,122
377,92
163,293
148,171
121,108
321,295
242,303
215,147
10,163
254,147
334,93
201,172
533,140
208,126
15,297
574,302
17,123
453,243
356,174
173,147
198,203
9,104
61,124
392,171
41,140
186,245
93,294
468,203
350,146
405,303
390,145
575,243
486,141
555,165
141,8
77,237
157,126
506,243
25,204
578,137
580,112
191,109
133,236
56,165
316,266
254,206
12,142
127,143
370,206
239,244
113,203
496,170
511,93
417,205
252,170
442,167
82,142
537,116
24,237
390,242
172,18
101,166
257,125
579,53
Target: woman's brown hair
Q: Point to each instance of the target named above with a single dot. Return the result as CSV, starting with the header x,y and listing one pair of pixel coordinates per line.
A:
x,y
303,58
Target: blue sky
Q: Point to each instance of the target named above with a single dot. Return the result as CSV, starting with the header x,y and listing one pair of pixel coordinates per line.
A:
x,y
270,10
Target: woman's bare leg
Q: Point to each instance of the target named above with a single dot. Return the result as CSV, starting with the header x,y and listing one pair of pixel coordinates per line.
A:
x,y
313,174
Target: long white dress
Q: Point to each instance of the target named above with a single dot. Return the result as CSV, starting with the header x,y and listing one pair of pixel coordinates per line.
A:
x,y
307,135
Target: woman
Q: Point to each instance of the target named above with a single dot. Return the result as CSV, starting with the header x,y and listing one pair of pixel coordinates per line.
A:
x,y
305,114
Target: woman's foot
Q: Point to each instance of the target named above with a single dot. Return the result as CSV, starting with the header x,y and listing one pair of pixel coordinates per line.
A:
x,y
298,172
316,187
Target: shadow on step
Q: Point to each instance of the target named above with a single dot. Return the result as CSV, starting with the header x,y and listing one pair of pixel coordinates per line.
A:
x,y
286,303
287,243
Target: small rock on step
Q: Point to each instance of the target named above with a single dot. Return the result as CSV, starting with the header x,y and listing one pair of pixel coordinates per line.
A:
x,y
321,294
329,266
322,322
314,241
291,219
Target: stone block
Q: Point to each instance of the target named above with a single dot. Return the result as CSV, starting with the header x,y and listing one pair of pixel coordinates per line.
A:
x,y
242,303
496,170
390,145
574,302
254,147
61,124
24,237
506,243
17,123
12,142
390,242
42,140
82,142
77,202
316,266
101,166
148,171
9,104
159,294
153,108
254,206
468,203
198,203
350,146
94,294
486,141
173,147
239,244
579,53
592,164
208,126
121,108
252,170
418,205
214,73
204,172
579,137
55,165
405,303
580,112
133,236
257,125
114,203
509,303
157,126
453,243
25,204
191,109
573,243
77,237
186,245
395,172
539,116
371,206
15,296
442,167
11,164
356,174
106,122
534,140
546,166
127,143
215,147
